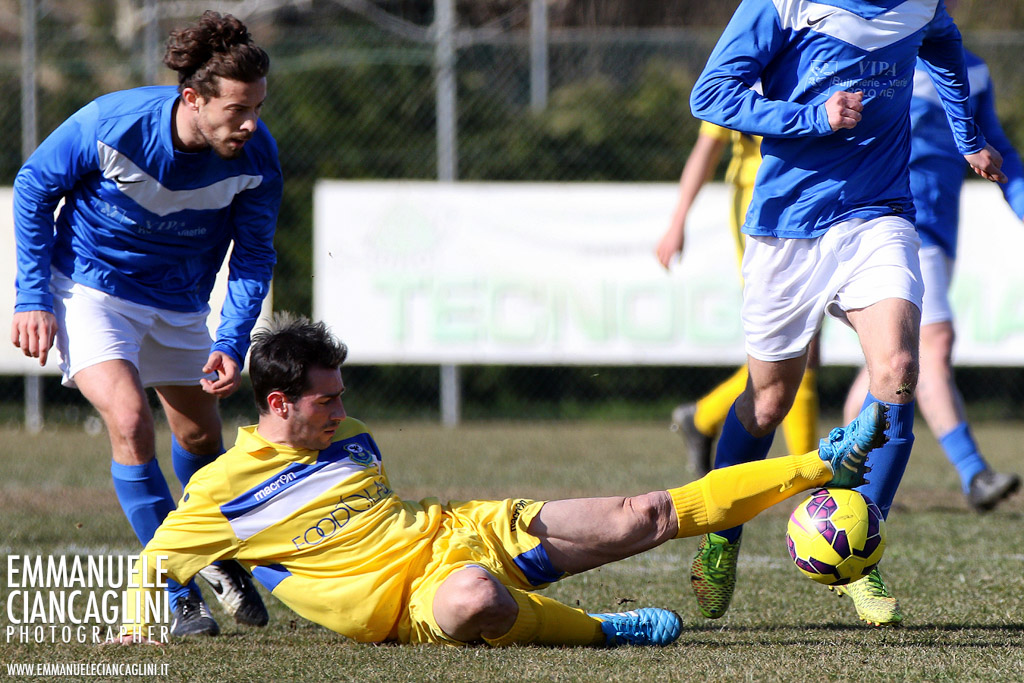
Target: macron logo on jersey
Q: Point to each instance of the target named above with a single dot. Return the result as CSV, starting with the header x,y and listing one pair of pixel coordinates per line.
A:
x,y
869,34
147,192
290,490
274,486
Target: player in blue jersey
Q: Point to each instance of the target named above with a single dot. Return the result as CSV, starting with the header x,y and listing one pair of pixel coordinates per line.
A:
x,y
157,183
936,179
829,227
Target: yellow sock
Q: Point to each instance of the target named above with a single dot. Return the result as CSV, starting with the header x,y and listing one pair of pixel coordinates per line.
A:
x,y
544,621
712,409
733,495
801,424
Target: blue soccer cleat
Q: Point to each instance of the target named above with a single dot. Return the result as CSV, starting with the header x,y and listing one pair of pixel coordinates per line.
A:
x,y
647,626
846,448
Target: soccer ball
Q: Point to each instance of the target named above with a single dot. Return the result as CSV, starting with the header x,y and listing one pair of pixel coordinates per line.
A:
x,y
836,536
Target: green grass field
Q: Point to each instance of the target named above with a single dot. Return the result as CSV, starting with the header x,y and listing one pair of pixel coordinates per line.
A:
x,y
959,576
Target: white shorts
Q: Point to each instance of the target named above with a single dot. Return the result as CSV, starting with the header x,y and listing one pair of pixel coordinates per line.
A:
x,y
789,284
166,347
937,270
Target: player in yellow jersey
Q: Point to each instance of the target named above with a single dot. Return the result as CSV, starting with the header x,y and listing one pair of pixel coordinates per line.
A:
x,y
700,423
304,501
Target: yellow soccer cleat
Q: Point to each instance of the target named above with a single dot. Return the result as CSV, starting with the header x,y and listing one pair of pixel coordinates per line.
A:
x,y
871,597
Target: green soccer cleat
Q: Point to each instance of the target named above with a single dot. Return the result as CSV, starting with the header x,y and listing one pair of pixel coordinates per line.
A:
x,y
713,574
871,597
846,448
647,626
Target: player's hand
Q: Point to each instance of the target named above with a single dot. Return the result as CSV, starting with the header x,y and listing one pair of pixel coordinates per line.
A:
x,y
229,375
988,164
129,639
33,332
843,109
670,246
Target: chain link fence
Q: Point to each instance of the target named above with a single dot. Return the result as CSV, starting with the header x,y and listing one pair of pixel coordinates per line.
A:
x,y
353,94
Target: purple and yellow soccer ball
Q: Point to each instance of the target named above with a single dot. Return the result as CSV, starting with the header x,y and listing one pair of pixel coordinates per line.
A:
x,y
836,536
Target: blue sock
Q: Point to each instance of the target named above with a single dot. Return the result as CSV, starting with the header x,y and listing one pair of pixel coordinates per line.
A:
x,y
890,461
962,451
186,463
736,445
146,500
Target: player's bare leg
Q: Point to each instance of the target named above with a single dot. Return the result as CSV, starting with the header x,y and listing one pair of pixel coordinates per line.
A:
x,y
943,409
193,417
471,605
771,388
889,334
115,390
584,533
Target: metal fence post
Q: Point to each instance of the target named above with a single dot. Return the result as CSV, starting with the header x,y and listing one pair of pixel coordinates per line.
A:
x,y
447,162
538,55
29,137
150,40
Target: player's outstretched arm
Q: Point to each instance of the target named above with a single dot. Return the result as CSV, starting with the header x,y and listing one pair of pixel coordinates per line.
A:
x,y
988,164
33,332
700,165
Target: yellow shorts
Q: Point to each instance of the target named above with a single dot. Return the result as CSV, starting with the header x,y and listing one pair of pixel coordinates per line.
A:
x,y
489,534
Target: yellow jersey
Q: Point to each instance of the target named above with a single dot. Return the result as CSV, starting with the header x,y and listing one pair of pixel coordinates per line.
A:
x,y
300,519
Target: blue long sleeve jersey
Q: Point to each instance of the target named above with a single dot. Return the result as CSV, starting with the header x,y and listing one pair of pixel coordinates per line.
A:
x,y
143,221
801,52
936,166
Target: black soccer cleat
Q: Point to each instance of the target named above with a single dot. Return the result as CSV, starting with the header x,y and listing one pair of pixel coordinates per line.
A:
x,y
192,618
988,488
236,592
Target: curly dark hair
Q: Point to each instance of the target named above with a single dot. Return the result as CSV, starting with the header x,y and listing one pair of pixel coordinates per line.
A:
x,y
214,47
284,351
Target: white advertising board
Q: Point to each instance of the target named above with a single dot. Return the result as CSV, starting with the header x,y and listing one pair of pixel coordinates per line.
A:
x,y
12,361
522,273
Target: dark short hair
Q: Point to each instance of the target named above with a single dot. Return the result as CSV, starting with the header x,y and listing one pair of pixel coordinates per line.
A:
x,y
214,47
283,353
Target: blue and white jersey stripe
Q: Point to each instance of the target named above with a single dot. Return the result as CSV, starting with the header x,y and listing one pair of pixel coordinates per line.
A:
x,y
294,487
151,195
871,32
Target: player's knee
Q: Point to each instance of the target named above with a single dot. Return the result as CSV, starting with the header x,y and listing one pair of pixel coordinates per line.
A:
x,y
201,441
644,518
769,410
937,343
133,428
651,516
899,371
472,604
